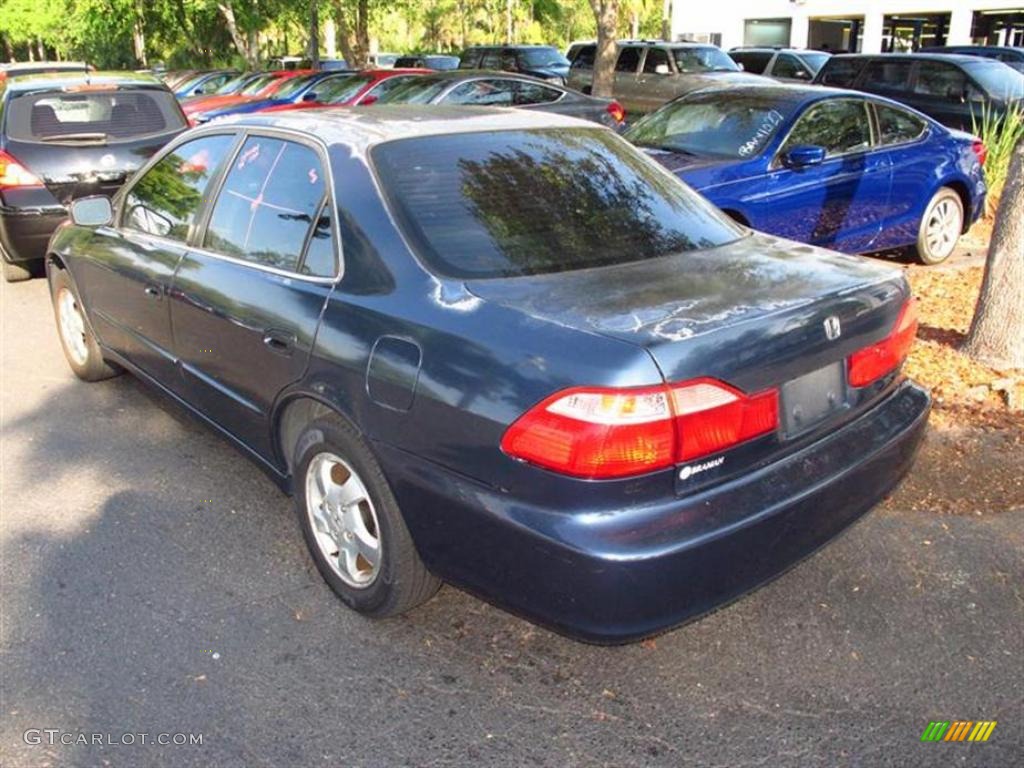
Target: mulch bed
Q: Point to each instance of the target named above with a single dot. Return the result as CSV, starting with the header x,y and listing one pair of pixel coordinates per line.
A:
x,y
972,461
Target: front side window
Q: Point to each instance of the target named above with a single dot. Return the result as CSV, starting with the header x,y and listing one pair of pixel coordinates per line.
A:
x,y
841,72
384,87
267,205
897,126
938,79
165,201
480,93
841,126
629,60
510,203
656,57
888,76
790,67
293,86
585,58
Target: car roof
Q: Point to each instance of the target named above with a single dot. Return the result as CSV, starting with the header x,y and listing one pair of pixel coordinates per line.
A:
x,y
509,45
470,74
772,49
68,65
790,94
363,127
952,58
58,80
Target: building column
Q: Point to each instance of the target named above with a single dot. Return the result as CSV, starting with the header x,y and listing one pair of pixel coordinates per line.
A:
x,y
800,31
873,25
960,22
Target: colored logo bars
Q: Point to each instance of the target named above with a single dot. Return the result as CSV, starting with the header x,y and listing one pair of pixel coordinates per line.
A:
x,y
958,730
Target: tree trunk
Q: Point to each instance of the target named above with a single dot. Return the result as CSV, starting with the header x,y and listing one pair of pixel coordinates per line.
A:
x,y
355,34
41,48
509,34
606,13
666,20
139,35
996,337
240,40
634,25
314,35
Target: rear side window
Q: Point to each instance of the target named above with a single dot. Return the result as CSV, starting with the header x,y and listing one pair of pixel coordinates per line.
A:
x,y
629,60
752,62
840,72
82,116
897,126
534,93
508,203
267,205
480,93
585,58
164,202
888,76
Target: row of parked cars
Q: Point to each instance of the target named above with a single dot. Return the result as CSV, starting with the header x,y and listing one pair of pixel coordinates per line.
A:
x,y
508,348
864,172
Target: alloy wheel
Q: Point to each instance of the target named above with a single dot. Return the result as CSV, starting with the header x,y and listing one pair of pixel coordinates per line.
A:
x,y
72,327
942,228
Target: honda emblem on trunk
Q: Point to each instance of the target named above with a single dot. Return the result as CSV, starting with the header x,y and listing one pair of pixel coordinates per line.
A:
x,y
832,328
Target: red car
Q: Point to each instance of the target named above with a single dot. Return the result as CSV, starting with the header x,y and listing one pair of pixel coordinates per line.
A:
x,y
363,87
260,88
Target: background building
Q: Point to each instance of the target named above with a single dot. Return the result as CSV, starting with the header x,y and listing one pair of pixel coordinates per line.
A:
x,y
869,26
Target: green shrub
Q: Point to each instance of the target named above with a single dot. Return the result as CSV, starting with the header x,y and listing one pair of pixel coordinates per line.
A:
x,y
1001,133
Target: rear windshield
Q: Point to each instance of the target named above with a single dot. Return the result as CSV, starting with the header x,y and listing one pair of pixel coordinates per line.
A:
x,y
95,115
510,203
340,89
706,124
1001,82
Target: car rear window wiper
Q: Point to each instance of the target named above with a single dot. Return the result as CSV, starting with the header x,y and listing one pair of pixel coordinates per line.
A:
x,y
75,137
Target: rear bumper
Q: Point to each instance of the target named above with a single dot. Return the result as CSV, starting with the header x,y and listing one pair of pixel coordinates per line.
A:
x,y
25,232
612,578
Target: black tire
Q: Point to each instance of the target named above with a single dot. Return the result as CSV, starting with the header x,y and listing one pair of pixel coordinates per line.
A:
x,y
91,366
402,581
16,273
930,249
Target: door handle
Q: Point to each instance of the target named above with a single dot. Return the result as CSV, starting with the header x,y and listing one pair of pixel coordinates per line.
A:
x,y
280,342
152,291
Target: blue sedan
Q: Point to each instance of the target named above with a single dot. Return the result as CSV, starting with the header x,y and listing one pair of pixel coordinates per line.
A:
x,y
297,89
832,168
500,348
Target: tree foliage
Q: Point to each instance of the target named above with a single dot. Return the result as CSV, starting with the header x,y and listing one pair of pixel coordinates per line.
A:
x,y
180,33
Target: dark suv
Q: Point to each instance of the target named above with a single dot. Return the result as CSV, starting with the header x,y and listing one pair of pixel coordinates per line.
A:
x,y
543,61
69,135
955,90
1010,56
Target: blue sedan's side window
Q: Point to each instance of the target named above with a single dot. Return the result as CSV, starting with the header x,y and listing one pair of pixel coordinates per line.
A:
x,y
267,205
840,126
897,126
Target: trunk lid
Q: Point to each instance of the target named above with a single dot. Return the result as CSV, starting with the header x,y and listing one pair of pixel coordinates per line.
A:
x,y
751,313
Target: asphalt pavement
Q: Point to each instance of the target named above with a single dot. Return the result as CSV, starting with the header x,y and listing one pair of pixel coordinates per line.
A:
x,y
155,582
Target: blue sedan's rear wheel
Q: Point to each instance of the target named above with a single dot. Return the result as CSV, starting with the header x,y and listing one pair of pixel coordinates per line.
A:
x,y
352,524
941,227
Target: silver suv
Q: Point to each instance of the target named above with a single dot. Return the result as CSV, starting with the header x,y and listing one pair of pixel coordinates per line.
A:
x,y
649,73
786,64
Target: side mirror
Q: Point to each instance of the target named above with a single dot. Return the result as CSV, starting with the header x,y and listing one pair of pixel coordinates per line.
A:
x,y
957,96
311,96
93,211
804,155
741,67
662,69
368,100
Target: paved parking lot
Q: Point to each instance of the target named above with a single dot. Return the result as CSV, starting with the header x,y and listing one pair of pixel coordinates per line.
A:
x,y
153,581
